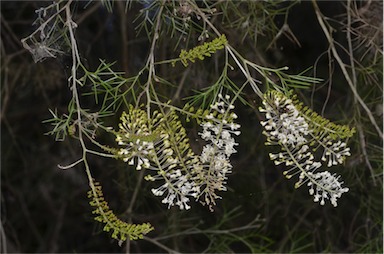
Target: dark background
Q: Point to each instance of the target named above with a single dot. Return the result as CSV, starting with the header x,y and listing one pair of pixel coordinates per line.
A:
x,y
45,209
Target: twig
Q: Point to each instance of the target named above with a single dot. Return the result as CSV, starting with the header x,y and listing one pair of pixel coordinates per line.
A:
x,y
73,86
150,64
41,27
330,71
3,238
124,36
364,151
88,12
336,55
193,231
181,85
71,165
160,245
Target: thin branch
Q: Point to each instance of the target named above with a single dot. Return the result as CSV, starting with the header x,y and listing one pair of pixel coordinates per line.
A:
x,y
364,151
159,245
330,71
342,65
71,165
124,37
195,231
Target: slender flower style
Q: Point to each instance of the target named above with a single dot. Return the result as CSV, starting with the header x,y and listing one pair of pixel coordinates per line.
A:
x,y
335,152
300,133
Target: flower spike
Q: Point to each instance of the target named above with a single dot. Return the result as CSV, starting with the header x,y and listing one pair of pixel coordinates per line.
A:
x,y
299,133
159,144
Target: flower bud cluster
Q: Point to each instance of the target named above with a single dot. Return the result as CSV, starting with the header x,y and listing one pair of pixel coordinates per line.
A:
x,y
286,126
133,136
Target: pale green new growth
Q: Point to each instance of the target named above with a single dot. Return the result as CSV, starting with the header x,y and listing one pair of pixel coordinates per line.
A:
x,y
120,229
200,52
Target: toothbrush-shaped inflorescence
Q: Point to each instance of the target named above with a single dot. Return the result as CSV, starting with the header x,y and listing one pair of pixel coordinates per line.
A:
x,y
159,143
218,131
299,133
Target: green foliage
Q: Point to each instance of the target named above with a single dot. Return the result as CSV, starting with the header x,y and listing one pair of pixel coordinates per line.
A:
x,y
62,126
120,229
108,87
203,99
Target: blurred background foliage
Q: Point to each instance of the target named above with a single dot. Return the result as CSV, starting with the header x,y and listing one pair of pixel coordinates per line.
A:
x,y
45,209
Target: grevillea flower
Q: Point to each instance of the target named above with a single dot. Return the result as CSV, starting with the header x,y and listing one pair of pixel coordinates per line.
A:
x,y
335,152
218,133
135,138
299,133
177,189
160,145
283,122
329,187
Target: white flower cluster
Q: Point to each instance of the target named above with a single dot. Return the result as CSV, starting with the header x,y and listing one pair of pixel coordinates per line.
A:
x,y
160,144
164,149
177,190
293,157
152,149
283,122
218,132
132,135
328,187
286,127
179,185
335,152
137,149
